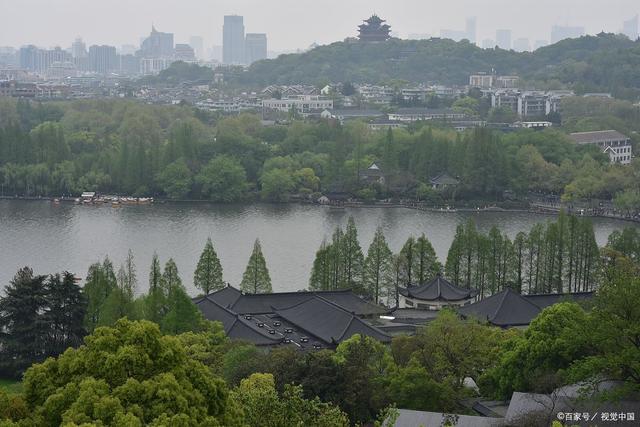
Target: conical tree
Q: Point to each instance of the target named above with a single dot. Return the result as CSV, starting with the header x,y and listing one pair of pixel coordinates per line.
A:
x,y
208,274
378,270
155,301
352,257
409,262
320,279
170,277
427,261
256,277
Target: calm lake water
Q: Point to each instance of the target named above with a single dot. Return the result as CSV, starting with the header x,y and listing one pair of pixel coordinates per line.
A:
x,y
52,238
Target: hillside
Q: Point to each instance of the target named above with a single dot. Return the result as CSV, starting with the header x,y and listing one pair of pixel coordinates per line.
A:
x,y
584,64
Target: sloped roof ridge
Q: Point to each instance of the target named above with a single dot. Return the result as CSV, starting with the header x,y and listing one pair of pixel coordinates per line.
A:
x,y
508,291
344,331
276,309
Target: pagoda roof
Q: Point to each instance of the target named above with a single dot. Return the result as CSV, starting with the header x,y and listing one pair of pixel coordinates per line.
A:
x,y
438,289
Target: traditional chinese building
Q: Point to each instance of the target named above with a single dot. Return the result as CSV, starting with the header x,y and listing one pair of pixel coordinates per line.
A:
x,y
374,29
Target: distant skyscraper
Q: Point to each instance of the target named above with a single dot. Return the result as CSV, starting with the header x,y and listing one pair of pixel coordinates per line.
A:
x,y
157,45
233,40
215,53
78,48
540,43
184,52
103,59
503,39
470,29
197,44
630,28
255,47
561,32
488,44
521,45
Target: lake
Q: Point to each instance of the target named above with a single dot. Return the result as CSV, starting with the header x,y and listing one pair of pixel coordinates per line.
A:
x,y
55,237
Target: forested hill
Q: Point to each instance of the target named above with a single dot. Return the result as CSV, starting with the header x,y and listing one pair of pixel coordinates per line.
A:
x,y
585,63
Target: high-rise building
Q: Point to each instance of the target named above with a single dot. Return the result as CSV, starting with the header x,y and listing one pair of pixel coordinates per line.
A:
x,y
157,45
197,43
503,39
521,45
488,44
255,47
129,64
78,48
561,32
630,28
27,57
184,52
103,59
215,53
127,49
470,29
233,40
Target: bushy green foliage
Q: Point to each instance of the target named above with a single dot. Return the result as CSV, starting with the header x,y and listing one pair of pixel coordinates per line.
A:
x,y
256,278
263,406
129,374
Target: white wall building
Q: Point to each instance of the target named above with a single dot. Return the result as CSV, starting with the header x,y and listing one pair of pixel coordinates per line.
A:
x,y
615,144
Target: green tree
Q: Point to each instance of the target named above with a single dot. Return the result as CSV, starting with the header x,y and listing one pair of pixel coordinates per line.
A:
x,y
175,180
321,271
100,282
127,375
24,332
256,277
64,313
378,270
363,361
277,184
352,257
223,179
208,274
262,406
155,301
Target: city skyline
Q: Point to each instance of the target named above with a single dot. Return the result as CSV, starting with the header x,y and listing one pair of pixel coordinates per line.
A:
x,y
203,19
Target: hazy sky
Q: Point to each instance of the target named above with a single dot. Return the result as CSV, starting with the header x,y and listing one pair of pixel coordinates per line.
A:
x,y
292,24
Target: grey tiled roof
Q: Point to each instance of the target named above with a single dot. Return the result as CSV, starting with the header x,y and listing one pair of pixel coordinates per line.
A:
x,y
439,289
597,136
328,321
506,308
545,300
242,303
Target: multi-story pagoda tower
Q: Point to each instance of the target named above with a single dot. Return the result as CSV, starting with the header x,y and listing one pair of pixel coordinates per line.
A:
x,y
374,29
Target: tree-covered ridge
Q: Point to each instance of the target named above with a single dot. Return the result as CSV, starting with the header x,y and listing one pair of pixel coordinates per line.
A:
x,y
584,64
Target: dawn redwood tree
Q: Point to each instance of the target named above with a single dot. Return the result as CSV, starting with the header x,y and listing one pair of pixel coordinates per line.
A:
x,y
320,279
100,282
208,274
427,262
155,301
256,277
352,257
378,270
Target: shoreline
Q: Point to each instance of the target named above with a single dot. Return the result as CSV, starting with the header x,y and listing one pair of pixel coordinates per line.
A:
x,y
547,211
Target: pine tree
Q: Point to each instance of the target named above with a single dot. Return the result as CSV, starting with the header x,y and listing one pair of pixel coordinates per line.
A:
x,y
24,332
336,258
64,313
120,302
256,277
180,314
352,258
378,270
208,274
